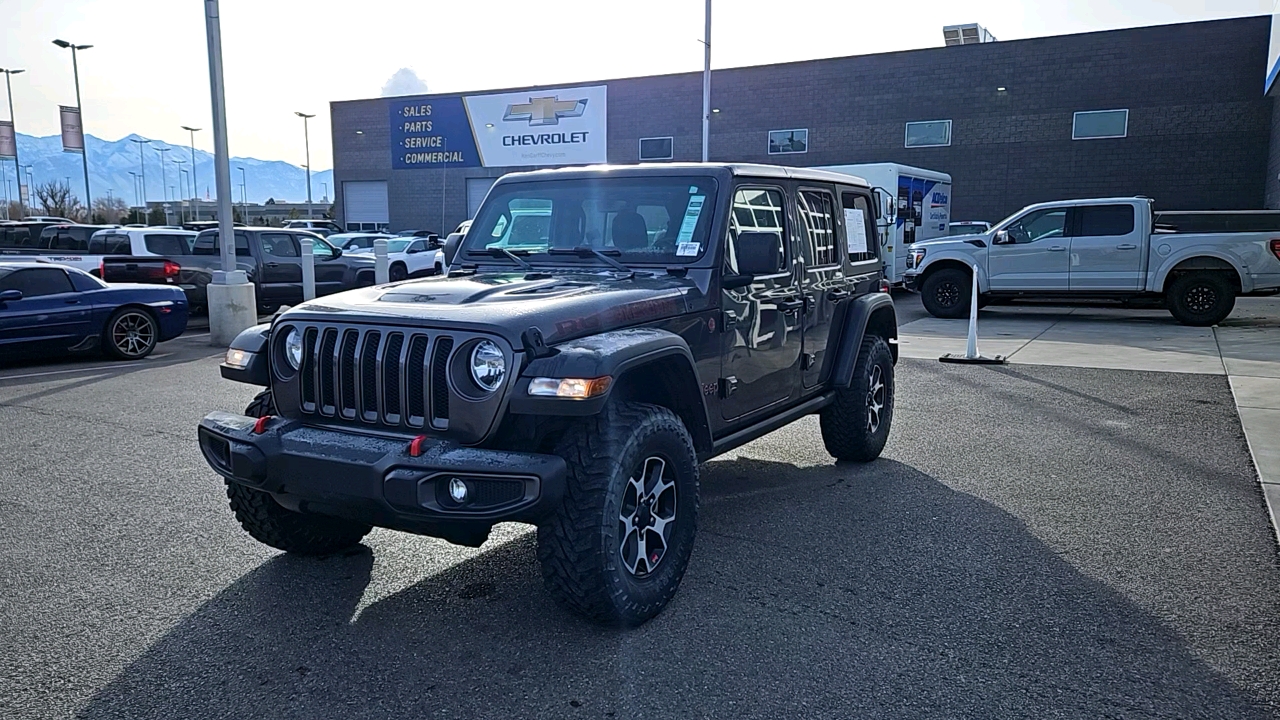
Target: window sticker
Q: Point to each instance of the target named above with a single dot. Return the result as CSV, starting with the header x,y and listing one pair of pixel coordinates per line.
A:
x,y
855,230
688,249
691,214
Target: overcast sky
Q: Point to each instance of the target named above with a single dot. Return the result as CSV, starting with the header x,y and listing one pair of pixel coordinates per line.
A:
x,y
148,71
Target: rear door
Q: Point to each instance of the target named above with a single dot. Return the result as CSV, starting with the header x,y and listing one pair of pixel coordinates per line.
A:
x,y
1033,255
1106,248
50,317
823,283
760,323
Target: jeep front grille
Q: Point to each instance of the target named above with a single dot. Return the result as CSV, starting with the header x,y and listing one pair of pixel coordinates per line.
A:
x,y
389,378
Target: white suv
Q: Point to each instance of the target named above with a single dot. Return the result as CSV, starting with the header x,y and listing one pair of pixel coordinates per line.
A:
x,y
324,228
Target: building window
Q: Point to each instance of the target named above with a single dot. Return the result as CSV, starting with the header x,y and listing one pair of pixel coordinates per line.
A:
x,y
656,148
1098,124
928,133
788,142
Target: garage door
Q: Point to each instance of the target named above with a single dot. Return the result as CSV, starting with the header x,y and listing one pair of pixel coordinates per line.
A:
x,y
364,206
476,190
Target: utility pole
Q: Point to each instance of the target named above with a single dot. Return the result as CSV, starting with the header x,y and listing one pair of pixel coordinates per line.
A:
x,y
706,87
9,72
306,137
232,305
75,68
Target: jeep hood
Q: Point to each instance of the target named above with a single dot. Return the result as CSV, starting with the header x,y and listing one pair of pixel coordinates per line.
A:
x,y
563,306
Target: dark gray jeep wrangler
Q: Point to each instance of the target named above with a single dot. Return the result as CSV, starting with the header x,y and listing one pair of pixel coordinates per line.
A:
x,y
600,332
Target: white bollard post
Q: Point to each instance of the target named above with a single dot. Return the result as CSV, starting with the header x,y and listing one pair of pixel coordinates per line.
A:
x,y
381,268
308,271
971,354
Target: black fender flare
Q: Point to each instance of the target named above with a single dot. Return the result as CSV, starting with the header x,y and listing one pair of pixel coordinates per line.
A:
x,y
614,354
258,371
872,308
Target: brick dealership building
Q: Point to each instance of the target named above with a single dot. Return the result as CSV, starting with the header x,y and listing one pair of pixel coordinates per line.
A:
x,y
1176,112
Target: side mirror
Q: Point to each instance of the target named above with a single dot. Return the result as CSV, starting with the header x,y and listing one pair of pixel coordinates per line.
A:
x,y
10,296
1002,238
451,247
759,253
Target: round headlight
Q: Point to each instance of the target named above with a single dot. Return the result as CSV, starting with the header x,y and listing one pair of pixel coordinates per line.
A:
x,y
488,366
293,348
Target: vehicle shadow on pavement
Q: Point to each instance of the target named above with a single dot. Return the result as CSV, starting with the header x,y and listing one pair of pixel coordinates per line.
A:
x,y
845,591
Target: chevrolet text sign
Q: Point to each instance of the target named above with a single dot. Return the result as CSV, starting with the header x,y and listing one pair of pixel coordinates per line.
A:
x,y
563,126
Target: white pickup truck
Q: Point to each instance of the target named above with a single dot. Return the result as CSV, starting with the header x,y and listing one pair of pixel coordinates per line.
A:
x,y
1114,248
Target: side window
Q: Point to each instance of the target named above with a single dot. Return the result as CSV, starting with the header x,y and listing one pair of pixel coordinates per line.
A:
x,y
1104,220
167,244
35,282
755,210
416,246
818,220
319,250
65,239
859,227
210,245
1040,225
280,245
15,237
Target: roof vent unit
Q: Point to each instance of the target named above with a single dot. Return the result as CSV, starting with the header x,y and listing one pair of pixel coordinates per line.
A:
x,y
969,34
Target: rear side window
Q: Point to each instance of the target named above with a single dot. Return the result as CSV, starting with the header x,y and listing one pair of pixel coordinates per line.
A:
x,y
70,239
36,282
818,219
15,237
859,227
110,244
167,244
208,245
1104,220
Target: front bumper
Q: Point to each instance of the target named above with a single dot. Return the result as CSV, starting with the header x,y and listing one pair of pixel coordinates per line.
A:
x,y
375,480
911,281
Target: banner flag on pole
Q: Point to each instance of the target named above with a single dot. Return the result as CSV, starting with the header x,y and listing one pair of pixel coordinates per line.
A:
x,y
8,140
72,131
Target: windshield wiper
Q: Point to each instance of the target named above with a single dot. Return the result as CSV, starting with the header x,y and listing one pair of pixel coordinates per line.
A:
x,y
498,252
586,251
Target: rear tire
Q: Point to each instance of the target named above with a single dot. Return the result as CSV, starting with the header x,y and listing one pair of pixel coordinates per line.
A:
x,y
131,334
271,524
1201,299
946,293
618,545
856,425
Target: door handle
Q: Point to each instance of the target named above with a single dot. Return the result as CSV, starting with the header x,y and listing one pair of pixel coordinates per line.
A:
x,y
71,301
837,295
1127,246
1057,248
790,305
272,264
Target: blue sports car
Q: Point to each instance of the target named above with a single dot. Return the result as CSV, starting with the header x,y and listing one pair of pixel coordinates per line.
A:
x,y
55,310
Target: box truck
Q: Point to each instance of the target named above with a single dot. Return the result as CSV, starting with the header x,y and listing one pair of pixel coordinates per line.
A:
x,y
915,204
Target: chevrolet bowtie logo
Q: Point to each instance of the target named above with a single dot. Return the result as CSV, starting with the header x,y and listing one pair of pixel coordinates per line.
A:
x,y
545,110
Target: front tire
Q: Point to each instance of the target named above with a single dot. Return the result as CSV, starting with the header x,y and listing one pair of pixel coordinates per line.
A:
x,y
1201,299
398,272
271,524
856,425
619,543
130,334
946,293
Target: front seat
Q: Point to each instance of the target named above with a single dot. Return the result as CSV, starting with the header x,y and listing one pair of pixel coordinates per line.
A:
x,y
630,232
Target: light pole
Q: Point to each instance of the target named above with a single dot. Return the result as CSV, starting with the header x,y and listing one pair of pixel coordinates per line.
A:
x,y
135,187
244,200
31,183
306,138
75,68
143,166
706,87
324,196
193,131
164,175
182,182
9,72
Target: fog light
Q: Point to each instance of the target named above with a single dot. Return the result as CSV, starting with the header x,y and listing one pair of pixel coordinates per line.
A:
x,y
458,490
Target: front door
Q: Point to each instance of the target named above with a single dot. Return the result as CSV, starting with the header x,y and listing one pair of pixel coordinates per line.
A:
x,y
281,280
1033,254
823,286
1106,249
761,331
50,317
329,274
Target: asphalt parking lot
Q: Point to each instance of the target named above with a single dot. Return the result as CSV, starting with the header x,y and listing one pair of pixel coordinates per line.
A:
x,y
1037,541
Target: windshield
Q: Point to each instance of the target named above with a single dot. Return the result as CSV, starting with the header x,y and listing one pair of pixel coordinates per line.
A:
x,y
660,220
394,246
966,228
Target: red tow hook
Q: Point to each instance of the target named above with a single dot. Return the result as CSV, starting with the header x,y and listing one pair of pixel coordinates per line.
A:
x,y
260,426
415,446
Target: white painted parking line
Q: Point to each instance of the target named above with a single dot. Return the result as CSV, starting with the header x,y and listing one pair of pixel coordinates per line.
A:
x,y
86,368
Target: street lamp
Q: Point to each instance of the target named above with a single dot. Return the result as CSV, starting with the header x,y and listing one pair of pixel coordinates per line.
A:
x,y
306,137
324,197
75,68
143,165
193,131
164,176
31,183
244,200
135,187
9,72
